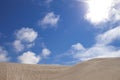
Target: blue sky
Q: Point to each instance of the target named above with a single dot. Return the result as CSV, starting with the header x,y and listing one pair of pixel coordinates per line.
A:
x,y
58,31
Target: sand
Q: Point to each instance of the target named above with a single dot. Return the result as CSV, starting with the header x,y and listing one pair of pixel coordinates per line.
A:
x,y
13,71
96,69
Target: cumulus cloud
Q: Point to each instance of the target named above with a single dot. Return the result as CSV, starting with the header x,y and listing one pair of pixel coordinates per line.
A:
x,y
29,58
50,19
25,38
18,45
3,55
46,52
100,11
26,34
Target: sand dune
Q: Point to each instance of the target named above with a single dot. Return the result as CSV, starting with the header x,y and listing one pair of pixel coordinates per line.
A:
x,y
96,69
13,71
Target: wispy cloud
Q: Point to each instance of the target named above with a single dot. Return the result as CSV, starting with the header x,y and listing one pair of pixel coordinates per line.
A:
x,y
78,46
109,36
40,3
100,49
3,55
29,58
48,1
50,20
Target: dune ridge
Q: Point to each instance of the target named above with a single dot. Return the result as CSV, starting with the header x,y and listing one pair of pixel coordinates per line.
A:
x,y
95,69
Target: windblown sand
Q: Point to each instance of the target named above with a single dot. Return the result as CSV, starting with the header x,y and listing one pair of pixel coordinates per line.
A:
x,y
96,69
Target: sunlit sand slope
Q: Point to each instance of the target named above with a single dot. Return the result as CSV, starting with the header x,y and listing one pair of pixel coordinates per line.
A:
x,y
13,71
96,69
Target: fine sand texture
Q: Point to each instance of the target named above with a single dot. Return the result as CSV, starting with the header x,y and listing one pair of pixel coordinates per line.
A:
x,y
13,71
95,69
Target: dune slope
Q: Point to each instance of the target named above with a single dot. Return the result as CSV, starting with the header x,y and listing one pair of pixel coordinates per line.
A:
x,y
96,69
13,71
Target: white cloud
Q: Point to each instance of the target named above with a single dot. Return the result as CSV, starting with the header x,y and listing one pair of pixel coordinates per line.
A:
x,y
99,52
3,55
101,49
29,58
100,11
46,52
109,36
25,38
78,46
115,11
96,51
18,45
50,19
26,34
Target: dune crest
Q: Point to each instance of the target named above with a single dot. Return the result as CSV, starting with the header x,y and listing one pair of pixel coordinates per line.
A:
x,y
96,69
